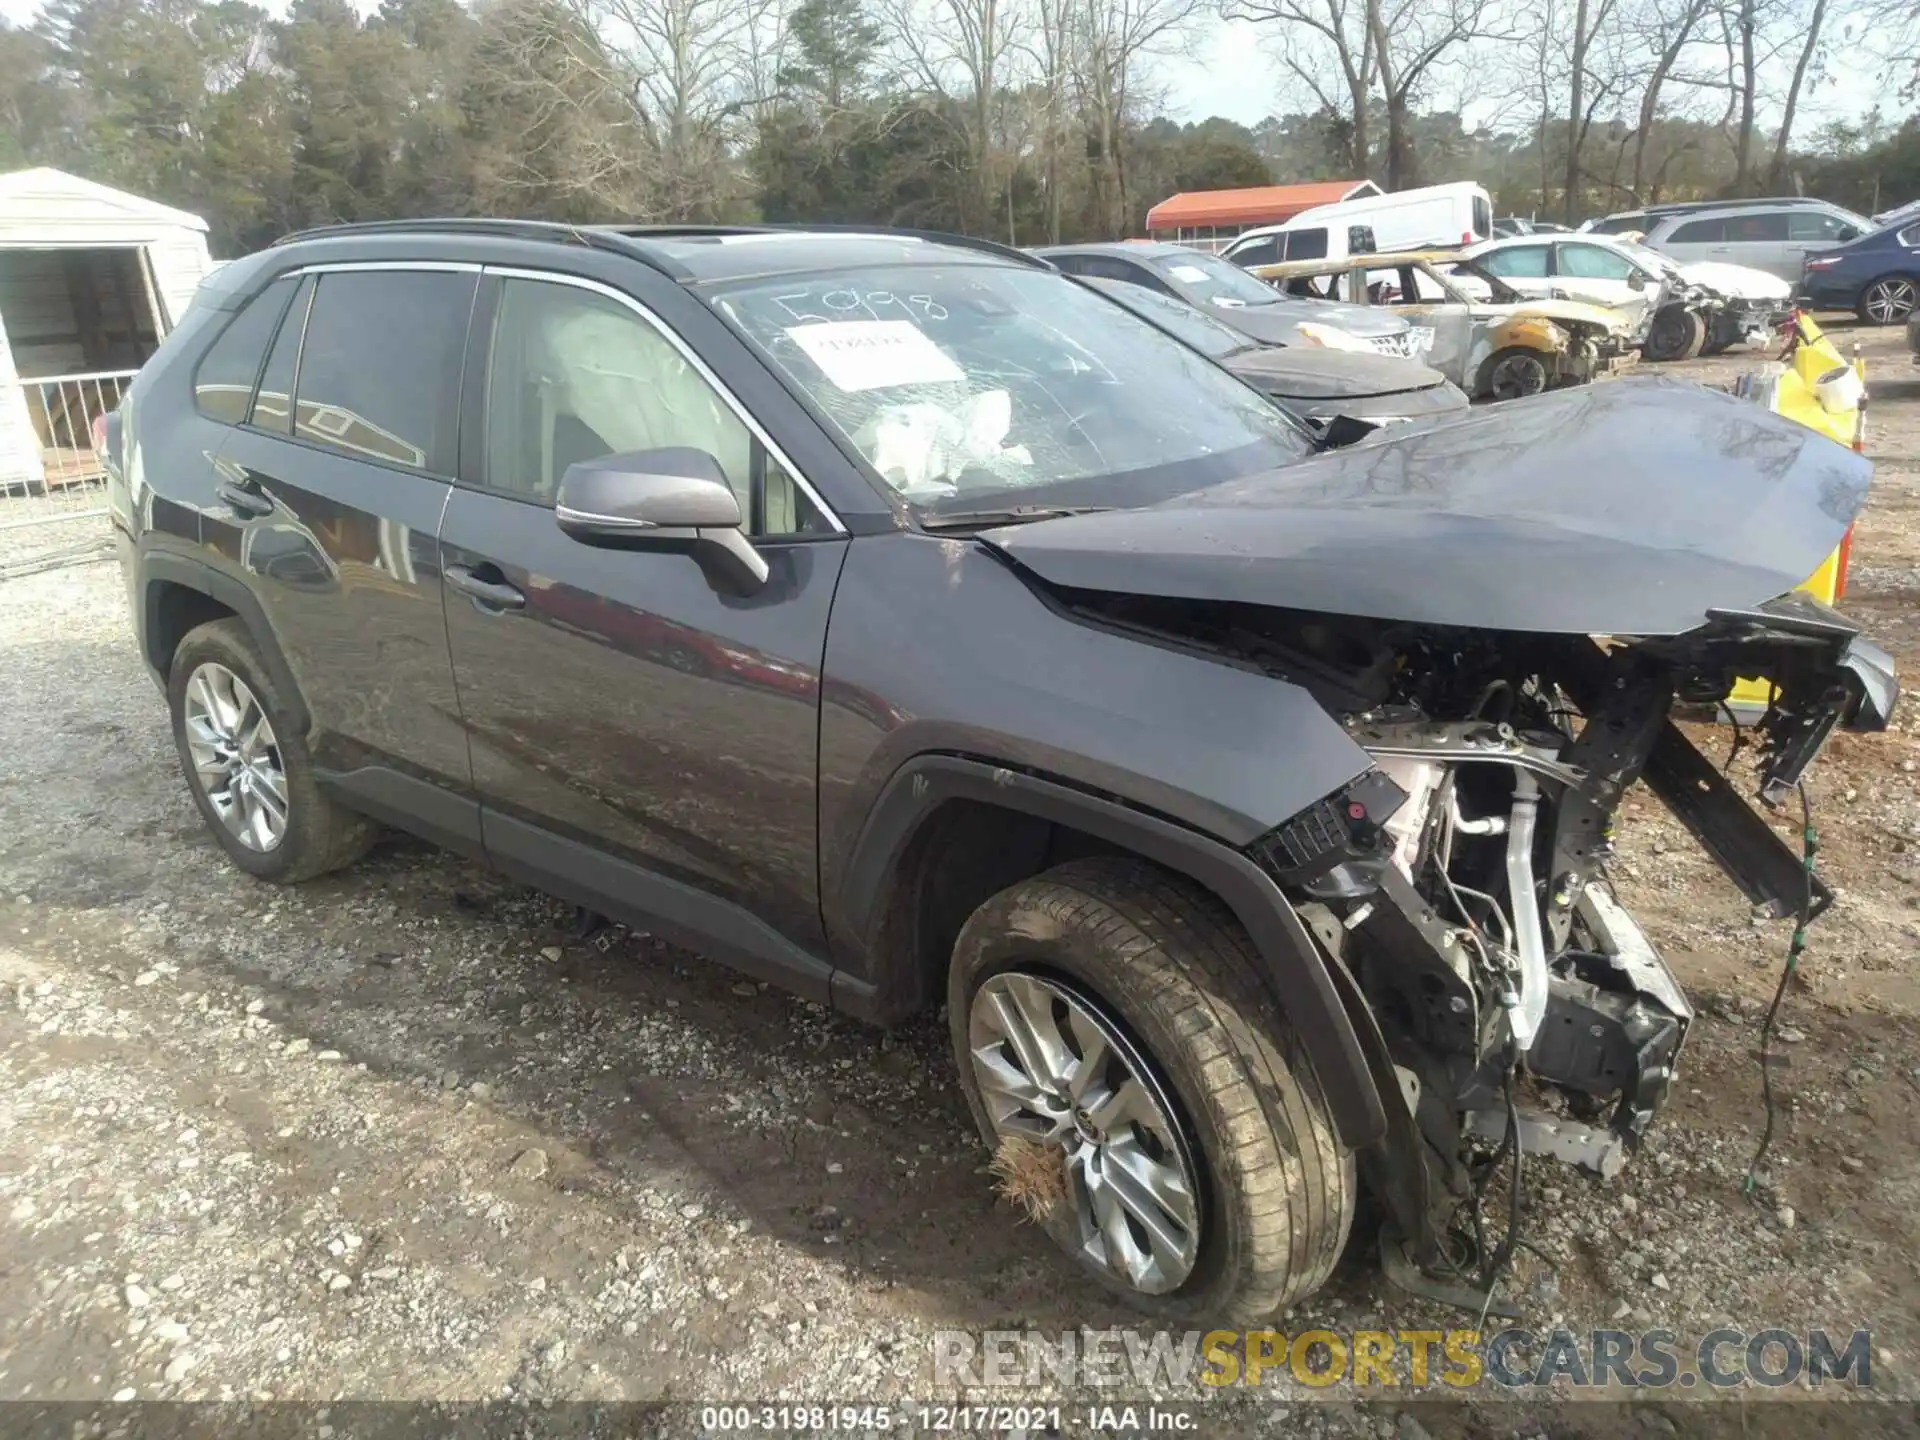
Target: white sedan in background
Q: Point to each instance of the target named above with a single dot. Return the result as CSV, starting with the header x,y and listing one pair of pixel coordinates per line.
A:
x,y
1700,307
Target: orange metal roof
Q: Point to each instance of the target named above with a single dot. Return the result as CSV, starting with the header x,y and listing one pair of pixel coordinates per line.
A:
x,y
1264,203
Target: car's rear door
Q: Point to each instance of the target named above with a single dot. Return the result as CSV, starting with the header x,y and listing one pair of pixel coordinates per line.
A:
x,y
1690,240
643,742
330,499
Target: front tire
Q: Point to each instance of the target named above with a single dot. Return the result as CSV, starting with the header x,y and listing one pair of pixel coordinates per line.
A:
x,y
1514,373
1114,1012
248,766
1677,333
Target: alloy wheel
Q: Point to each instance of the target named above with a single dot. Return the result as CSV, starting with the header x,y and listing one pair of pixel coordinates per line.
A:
x,y
236,758
1054,1069
1888,302
1517,376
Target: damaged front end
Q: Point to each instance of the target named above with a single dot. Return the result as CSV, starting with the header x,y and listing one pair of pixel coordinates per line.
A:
x,y
1525,599
1461,880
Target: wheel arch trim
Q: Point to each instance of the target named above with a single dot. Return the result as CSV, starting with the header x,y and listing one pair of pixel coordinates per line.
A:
x,y
158,568
1292,965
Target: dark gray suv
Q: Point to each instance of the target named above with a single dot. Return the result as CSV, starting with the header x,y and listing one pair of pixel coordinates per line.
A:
x,y
890,617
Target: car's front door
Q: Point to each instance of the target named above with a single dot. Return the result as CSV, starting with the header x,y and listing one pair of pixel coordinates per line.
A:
x,y
331,494
1601,275
644,741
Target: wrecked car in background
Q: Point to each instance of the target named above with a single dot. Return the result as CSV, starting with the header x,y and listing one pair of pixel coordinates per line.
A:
x,y
1316,385
1225,291
1689,308
1486,337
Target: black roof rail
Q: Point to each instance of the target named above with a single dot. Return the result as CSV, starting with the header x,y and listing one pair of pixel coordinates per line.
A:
x,y
832,227
631,240
556,231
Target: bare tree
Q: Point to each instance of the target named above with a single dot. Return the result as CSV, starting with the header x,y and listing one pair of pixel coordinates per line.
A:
x,y
964,51
1116,38
688,68
1667,27
1411,37
1327,45
1809,46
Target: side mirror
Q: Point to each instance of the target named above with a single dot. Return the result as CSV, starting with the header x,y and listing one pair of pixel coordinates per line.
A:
x,y
675,498
1636,281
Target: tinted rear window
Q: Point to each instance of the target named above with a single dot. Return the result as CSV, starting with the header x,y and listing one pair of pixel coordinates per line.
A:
x,y
1698,232
223,385
272,405
1758,228
380,366
1482,218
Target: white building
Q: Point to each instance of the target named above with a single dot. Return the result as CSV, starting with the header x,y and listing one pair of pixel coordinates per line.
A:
x,y
91,278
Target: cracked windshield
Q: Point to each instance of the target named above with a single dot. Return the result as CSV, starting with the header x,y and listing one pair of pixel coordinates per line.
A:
x,y
963,386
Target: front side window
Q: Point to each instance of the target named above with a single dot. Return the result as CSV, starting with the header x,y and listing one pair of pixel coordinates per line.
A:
x,y
972,386
1594,262
1307,244
223,383
1521,262
380,365
575,375
1815,225
1264,251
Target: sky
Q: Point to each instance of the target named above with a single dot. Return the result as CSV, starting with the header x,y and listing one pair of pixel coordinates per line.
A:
x,y
1228,73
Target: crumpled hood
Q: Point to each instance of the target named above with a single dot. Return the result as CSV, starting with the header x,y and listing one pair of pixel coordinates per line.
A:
x,y
1303,372
1631,508
1574,310
1738,282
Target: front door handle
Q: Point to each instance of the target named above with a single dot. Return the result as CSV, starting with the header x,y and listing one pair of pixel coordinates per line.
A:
x,y
487,586
243,499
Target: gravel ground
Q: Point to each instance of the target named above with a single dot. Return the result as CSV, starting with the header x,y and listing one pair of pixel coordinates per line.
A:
x,y
399,1134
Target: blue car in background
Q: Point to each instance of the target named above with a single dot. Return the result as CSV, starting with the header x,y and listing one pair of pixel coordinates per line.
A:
x,y
1877,276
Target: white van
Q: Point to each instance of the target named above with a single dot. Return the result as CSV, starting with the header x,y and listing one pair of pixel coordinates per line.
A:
x,y
1432,217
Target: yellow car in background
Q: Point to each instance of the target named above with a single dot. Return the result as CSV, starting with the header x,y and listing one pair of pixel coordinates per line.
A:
x,y
1820,388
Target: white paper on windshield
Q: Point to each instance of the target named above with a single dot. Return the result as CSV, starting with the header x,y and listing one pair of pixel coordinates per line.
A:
x,y
1191,274
873,354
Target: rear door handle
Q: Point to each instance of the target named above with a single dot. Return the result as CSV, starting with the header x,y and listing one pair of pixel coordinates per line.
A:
x,y
245,499
486,585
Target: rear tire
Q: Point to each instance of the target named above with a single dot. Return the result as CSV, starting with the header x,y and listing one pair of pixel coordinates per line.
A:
x,y
1888,300
1171,971
305,832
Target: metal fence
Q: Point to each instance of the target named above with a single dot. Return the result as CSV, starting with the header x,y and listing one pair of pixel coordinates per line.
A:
x,y
52,479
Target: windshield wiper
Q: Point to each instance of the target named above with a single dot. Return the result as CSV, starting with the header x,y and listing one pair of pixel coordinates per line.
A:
x,y
1013,515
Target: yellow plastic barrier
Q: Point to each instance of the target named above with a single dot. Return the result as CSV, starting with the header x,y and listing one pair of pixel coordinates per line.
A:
x,y
1793,396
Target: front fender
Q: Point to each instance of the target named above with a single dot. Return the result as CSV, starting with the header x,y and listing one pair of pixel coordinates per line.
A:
x,y
1293,966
